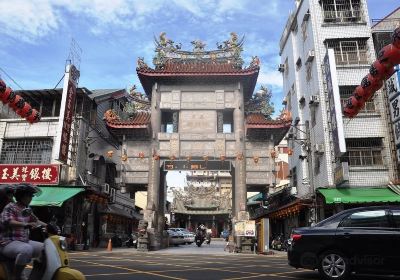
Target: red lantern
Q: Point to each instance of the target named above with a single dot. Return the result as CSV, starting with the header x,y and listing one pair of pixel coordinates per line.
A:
x,y
33,117
25,111
389,55
7,95
3,86
360,93
354,102
396,38
370,85
350,112
380,71
17,103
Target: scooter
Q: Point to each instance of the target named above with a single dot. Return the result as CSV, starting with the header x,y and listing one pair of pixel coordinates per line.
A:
x,y
54,263
199,238
131,242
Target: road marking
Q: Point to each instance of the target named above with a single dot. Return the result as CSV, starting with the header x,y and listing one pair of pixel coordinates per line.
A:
x,y
279,274
133,270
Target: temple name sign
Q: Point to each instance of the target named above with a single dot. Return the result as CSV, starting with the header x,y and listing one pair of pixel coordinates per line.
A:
x,y
210,165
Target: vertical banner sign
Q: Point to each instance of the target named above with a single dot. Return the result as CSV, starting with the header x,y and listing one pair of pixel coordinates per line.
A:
x,y
335,107
67,112
393,89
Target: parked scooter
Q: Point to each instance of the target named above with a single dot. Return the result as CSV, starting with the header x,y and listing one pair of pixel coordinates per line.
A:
x,y
54,263
132,241
277,243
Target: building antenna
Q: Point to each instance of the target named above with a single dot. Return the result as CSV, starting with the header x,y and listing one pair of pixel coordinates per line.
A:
x,y
74,56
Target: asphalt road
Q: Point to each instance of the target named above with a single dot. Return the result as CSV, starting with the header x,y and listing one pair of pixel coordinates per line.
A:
x,y
187,262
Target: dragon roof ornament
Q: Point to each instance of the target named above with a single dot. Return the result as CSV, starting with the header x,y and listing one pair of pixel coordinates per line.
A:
x,y
260,102
228,51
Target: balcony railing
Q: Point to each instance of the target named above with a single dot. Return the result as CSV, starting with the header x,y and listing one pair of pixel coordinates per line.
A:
x,y
345,16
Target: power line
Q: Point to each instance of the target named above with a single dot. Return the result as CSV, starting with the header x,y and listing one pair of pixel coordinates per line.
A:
x,y
2,70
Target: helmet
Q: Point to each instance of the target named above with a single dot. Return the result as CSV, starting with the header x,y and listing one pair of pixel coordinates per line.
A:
x,y
25,189
7,189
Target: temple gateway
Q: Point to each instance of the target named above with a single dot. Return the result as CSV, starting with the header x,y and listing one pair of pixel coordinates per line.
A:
x,y
198,113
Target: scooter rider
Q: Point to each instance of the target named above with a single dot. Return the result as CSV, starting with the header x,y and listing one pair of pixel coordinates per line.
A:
x,y
14,240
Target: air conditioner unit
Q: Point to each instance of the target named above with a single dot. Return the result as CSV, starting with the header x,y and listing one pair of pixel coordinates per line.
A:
x,y
310,55
319,148
111,198
106,188
314,100
281,68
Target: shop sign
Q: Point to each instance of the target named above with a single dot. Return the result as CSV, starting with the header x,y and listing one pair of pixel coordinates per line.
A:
x,y
245,228
40,174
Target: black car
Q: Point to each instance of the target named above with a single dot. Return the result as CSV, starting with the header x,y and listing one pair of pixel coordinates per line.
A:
x,y
360,240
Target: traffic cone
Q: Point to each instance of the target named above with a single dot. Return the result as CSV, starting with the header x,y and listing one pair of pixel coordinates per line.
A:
x,y
109,246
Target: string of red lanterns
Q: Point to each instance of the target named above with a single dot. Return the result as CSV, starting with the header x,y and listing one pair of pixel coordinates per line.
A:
x,y
380,70
18,104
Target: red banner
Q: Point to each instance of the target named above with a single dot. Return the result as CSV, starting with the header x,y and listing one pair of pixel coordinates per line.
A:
x,y
67,122
39,174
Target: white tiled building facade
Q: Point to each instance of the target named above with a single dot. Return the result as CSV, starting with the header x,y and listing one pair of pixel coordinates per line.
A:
x,y
314,26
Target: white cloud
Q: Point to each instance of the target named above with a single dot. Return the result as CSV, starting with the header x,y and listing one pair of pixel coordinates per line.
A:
x,y
270,77
28,20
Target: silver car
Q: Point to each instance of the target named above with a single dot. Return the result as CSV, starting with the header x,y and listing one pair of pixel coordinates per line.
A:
x,y
187,235
175,238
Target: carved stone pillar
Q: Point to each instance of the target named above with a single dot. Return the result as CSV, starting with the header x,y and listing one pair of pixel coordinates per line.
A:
x,y
240,162
153,199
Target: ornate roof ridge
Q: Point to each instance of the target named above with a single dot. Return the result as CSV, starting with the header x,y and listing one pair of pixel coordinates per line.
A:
x,y
228,52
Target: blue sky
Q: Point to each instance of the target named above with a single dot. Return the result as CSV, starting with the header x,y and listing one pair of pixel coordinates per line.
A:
x,y
36,36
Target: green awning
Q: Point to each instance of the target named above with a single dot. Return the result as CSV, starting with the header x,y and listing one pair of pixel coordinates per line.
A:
x,y
54,196
365,195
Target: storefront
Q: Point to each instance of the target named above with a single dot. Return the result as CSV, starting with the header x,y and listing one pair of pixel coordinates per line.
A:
x,y
338,199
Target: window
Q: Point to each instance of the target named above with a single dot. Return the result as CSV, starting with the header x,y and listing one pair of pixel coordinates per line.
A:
x,y
169,121
225,122
396,217
298,63
29,151
293,174
304,30
375,218
286,65
308,71
364,151
349,52
341,11
347,91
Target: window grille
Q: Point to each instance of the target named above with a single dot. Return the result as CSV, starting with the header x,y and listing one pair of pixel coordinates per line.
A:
x,y
349,52
286,67
308,71
304,30
347,91
293,174
342,11
26,151
364,151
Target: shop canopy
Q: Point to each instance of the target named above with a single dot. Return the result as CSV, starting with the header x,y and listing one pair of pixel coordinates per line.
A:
x,y
359,195
54,196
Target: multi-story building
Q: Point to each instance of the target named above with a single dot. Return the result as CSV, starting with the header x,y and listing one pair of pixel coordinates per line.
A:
x,y
83,193
382,31
336,162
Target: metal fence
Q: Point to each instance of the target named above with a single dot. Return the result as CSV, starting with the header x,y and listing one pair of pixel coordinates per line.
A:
x,y
350,52
26,151
342,11
365,152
